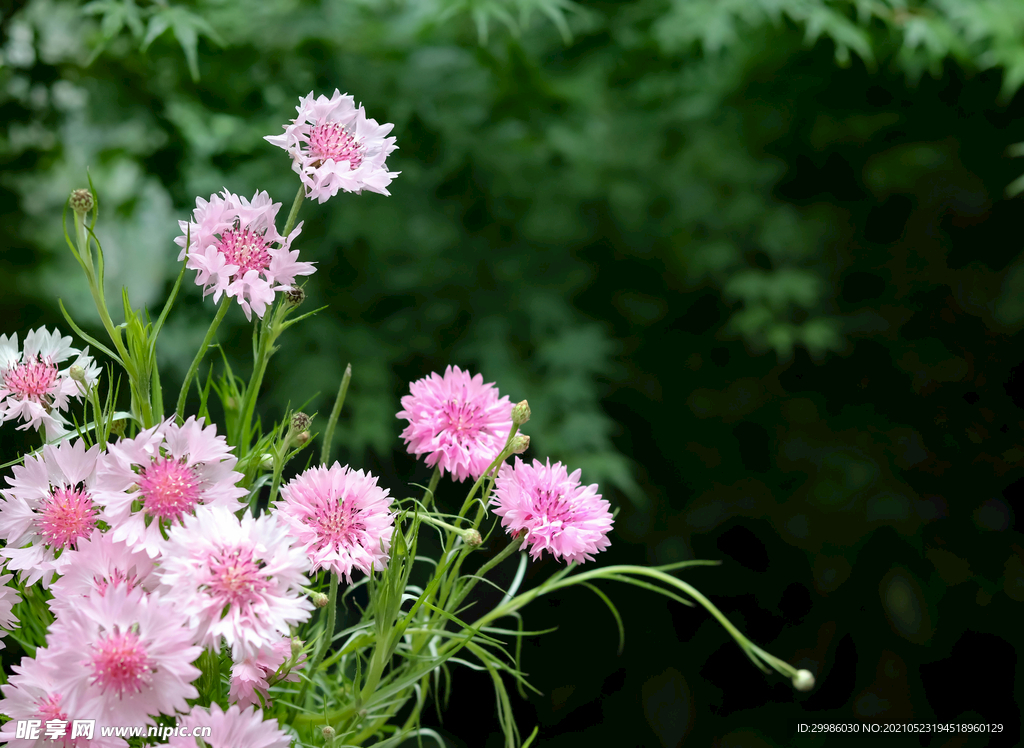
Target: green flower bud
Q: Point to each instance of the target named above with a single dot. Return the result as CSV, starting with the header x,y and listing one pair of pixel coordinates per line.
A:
x,y
295,296
520,443
81,201
521,413
803,680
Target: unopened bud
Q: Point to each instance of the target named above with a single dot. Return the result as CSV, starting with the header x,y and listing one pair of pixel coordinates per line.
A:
x,y
521,413
267,462
520,443
328,733
297,645
803,680
231,404
300,422
295,296
471,538
319,599
77,373
302,438
118,426
81,201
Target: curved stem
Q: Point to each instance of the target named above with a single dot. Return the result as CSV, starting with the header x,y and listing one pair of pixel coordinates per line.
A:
x,y
294,212
325,450
221,312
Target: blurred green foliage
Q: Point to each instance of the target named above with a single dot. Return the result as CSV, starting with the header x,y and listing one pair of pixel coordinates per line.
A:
x,y
750,260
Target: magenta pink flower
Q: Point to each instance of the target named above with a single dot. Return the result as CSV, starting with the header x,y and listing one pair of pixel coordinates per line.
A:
x,y
123,657
99,563
554,511
335,147
341,517
238,581
237,251
48,509
250,676
168,470
235,728
32,385
457,421
32,694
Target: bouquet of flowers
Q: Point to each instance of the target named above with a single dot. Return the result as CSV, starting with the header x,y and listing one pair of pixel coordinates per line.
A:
x,y
168,586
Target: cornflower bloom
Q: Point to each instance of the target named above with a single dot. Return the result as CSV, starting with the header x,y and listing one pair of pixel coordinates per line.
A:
x,y
250,675
123,657
236,249
341,517
48,508
97,564
162,475
235,728
553,511
238,581
457,421
335,147
33,387
31,693
9,597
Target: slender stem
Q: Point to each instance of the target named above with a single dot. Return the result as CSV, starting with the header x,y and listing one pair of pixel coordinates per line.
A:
x,y
294,212
511,548
428,497
221,311
325,450
325,639
263,353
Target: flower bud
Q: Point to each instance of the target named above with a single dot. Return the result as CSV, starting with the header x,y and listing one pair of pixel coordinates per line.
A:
x,y
471,538
118,426
319,599
295,296
803,680
77,373
297,645
520,443
231,404
328,733
300,422
521,413
302,438
267,462
81,201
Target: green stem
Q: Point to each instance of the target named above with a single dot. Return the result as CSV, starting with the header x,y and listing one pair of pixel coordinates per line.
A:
x,y
325,450
263,353
325,638
221,311
511,548
294,212
428,497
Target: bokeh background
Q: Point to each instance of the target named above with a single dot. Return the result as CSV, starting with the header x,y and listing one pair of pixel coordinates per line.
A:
x,y
756,264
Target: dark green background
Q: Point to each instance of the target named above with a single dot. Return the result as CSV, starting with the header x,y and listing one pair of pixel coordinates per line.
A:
x,y
757,273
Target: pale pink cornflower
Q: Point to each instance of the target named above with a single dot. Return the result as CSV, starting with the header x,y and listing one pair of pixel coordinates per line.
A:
x,y
32,693
554,511
123,657
48,508
97,564
33,386
152,481
457,421
250,675
238,581
9,597
236,249
335,147
235,728
341,517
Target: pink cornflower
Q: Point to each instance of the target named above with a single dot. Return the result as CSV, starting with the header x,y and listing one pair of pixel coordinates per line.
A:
x,y
335,147
152,481
32,385
341,517
250,676
235,728
9,597
457,421
32,694
237,251
123,657
99,563
238,581
556,513
48,508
